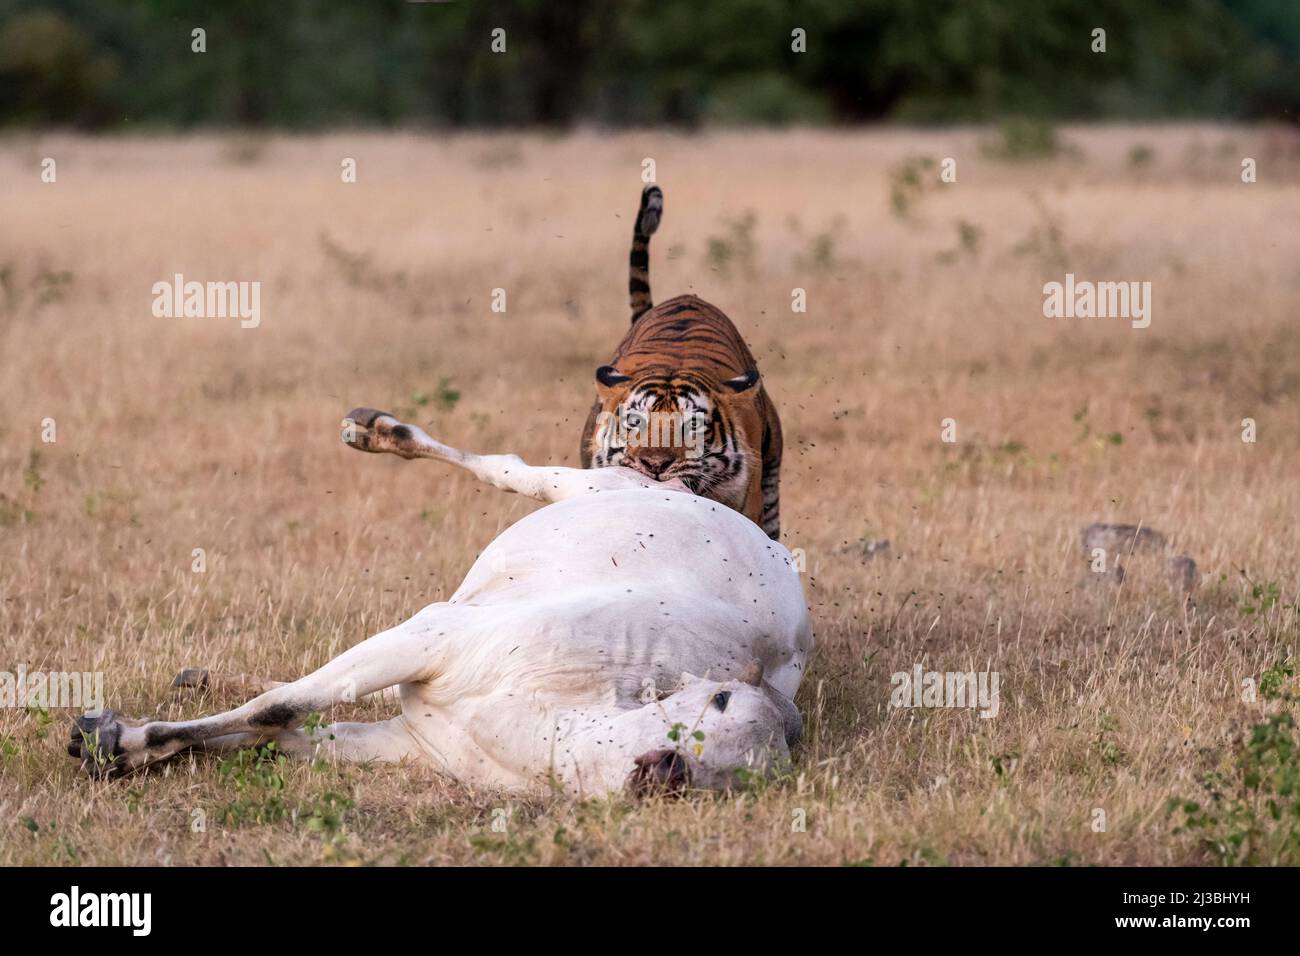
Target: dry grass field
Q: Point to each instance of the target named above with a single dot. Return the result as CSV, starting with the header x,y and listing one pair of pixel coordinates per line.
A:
x,y
924,302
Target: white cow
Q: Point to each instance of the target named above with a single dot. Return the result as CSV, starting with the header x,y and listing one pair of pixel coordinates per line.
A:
x,y
546,663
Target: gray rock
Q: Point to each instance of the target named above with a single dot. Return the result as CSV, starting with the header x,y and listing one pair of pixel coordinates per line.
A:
x,y
1182,571
868,548
1121,539
196,677
875,549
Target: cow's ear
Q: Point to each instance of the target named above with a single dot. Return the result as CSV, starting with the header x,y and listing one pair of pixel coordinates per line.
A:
x,y
742,383
752,674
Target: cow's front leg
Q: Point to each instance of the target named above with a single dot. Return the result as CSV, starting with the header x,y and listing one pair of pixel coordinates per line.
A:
x,y
108,744
369,430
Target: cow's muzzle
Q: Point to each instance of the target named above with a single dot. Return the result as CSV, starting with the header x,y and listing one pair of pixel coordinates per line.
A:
x,y
658,772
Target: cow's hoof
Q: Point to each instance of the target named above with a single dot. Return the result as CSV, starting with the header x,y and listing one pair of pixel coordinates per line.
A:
x,y
96,742
658,772
363,428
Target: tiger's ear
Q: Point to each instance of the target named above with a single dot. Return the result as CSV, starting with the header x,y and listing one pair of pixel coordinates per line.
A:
x,y
608,379
742,383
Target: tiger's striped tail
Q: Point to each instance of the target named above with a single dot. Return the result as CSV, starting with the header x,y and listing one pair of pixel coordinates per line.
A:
x,y
647,221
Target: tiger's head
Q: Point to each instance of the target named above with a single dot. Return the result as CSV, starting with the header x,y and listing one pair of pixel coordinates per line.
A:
x,y
680,423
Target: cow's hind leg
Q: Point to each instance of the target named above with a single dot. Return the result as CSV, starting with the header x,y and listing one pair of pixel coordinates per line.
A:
x,y
384,740
413,651
367,429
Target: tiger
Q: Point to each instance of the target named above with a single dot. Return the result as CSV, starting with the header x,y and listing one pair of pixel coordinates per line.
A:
x,y
682,397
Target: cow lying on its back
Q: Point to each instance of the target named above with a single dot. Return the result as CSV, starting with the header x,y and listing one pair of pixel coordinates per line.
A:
x,y
545,662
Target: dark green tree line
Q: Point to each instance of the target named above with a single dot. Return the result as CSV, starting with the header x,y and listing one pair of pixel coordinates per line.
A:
x,y
314,63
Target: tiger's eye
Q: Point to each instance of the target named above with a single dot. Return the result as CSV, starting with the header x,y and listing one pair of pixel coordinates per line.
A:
x,y
720,699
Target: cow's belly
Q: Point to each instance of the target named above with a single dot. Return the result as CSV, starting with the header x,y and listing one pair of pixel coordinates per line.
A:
x,y
590,606
631,539
605,592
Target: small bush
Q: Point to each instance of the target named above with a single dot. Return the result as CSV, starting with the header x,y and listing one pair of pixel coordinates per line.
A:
x,y
1251,814
1021,140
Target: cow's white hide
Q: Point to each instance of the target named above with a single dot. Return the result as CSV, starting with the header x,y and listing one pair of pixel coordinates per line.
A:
x,y
598,640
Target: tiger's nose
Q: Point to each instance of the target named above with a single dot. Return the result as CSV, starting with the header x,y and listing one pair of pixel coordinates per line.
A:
x,y
656,463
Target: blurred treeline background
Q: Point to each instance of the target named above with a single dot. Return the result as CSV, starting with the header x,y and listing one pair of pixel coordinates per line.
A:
x,y
306,64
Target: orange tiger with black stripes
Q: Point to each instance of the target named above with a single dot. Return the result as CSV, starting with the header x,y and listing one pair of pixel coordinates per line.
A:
x,y
682,398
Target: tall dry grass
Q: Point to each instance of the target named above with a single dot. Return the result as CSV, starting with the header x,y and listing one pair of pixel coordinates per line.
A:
x,y
176,434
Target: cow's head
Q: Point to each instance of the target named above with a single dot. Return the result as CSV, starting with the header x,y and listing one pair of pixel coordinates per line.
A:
x,y
712,734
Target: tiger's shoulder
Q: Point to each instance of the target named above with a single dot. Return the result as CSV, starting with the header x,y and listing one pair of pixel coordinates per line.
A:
x,y
686,331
